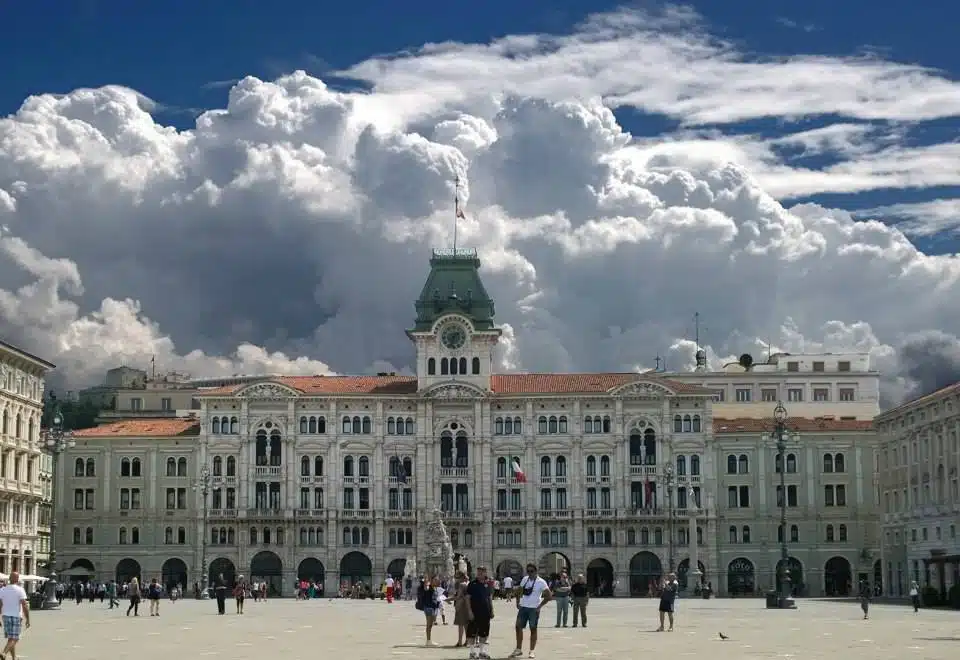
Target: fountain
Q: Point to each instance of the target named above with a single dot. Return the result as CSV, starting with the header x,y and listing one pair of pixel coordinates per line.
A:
x,y
438,561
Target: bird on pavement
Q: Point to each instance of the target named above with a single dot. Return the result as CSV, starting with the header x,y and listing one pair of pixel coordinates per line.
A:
x,y
722,636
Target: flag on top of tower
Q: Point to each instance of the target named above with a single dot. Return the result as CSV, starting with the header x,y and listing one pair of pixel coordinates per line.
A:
x,y
518,473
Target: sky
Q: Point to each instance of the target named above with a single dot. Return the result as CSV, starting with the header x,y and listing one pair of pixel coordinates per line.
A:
x,y
247,187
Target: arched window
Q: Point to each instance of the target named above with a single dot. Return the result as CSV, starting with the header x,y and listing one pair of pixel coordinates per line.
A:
x,y
305,466
123,536
794,534
136,468
681,466
696,424
181,535
552,424
171,467
517,426
356,425
266,535
444,368
217,466
365,536
363,467
828,462
677,424
453,367
842,533
498,426
745,534
604,466
318,466
88,535
234,425
215,425
168,535
231,466
733,534
591,466
347,537
303,424
78,469
312,425
687,424
348,466
77,537
694,466
321,424
545,467
588,424
731,464
367,426
561,466
124,467
502,468
743,464
839,464
830,533
391,426
463,365
431,367
542,424
346,425
91,468
253,536
791,463
476,366
181,467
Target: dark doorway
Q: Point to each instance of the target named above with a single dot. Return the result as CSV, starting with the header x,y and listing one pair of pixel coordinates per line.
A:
x,y
174,573
397,568
795,571
311,569
552,564
600,578
127,569
645,572
356,567
741,577
837,577
225,567
267,567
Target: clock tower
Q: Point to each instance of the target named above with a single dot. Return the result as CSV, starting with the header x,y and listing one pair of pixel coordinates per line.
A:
x,y
454,330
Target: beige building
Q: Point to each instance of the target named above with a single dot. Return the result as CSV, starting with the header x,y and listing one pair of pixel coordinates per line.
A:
x,y
918,468
626,475
25,485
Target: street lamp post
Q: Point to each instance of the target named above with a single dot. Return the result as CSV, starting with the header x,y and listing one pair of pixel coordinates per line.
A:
x,y
202,487
781,431
56,440
668,480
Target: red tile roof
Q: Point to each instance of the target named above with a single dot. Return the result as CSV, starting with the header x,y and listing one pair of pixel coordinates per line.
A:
x,y
801,424
142,428
500,384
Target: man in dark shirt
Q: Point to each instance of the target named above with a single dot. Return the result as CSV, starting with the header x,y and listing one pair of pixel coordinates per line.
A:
x,y
479,615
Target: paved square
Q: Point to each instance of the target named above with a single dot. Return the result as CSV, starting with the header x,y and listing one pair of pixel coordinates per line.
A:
x,y
367,630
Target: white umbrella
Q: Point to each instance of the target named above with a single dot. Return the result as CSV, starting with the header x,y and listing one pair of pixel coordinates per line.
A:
x,y
33,578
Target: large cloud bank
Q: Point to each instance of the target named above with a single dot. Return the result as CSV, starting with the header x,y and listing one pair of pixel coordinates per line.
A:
x,y
297,221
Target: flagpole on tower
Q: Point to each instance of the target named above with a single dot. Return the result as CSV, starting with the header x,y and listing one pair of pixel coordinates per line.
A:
x,y
457,211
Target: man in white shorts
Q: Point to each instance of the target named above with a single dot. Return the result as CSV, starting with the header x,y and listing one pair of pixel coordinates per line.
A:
x,y
15,613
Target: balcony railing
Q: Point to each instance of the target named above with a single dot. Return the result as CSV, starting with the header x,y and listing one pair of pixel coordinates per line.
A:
x,y
221,513
308,480
310,513
600,513
264,513
363,480
554,514
356,514
511,514
508,481
597,479
458,515
643,470
454,472
220,480
402,514
395,481
268,471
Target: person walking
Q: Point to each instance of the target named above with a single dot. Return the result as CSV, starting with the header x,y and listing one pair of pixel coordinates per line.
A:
x,y
532,595
112,594
915,596
865,598
581,596
561,594
133,592
220,590
153,595
668,598
428,602
15,613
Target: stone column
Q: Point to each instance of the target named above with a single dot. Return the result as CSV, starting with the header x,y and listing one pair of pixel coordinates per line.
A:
x,y
693,570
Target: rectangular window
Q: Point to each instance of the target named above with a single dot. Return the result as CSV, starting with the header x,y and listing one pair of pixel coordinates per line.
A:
x,y
135,498
847,394
841,496
136,404
821,394
364,499
124,499
818,366
88,499
516,500
78,499
348,502
171,499
828,499
793,366
182,499
795,394
719,396
166,403
502,500
546,499
561,499
743,394
768,395
744,497
843,365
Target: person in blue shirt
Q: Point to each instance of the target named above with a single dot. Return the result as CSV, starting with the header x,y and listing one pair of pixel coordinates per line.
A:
x,y
479,603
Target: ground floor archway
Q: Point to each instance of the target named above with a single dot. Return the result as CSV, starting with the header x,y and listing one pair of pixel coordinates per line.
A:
x,y
683,570
397,568
837,577
267,567
552,565
794,571
81,570
356,567
174,573
510,567
645,572
311,569
222,566
600,577
127,569
741,577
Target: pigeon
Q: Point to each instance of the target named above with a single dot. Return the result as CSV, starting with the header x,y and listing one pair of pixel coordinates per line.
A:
x,y
722,636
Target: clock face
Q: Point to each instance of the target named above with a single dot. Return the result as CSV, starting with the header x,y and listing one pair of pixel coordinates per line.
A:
x,y
453,337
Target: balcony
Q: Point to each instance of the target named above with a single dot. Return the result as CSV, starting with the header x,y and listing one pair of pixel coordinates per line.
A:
x,y
554,514
592,479
220,480
268,471
508,481
307,480
602,514
264,512
643,470
310,513
454,473
351,480
458,515
401,514
395,482
642,513
219,514
356,514
507,515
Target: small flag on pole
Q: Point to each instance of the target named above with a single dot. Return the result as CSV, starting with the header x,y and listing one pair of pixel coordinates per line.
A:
x,y
518,473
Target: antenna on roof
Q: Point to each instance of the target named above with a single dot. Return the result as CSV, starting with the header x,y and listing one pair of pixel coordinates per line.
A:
x,y
659,360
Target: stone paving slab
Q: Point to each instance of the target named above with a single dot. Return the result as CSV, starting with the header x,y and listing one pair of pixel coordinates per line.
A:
x,y
367,630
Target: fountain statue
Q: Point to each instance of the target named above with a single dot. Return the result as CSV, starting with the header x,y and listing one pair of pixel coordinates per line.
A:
x,y
439,551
